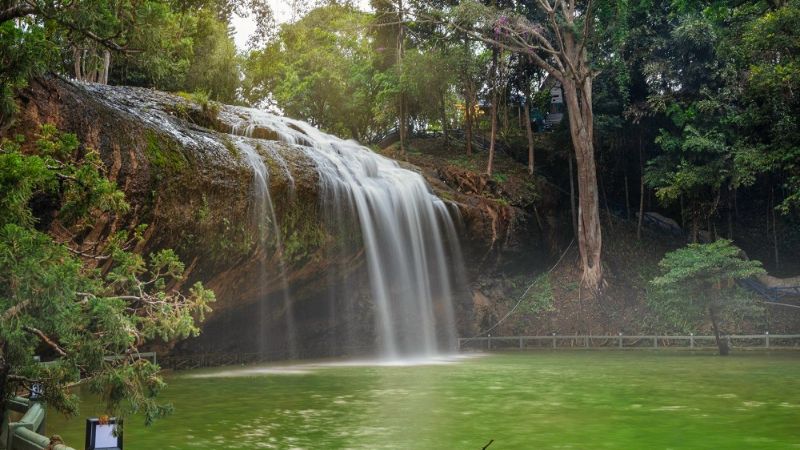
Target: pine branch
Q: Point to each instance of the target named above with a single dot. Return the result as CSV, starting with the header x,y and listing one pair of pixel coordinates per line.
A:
x,y
46,339
14,310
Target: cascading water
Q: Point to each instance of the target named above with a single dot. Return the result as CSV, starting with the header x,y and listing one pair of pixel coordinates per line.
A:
x,y
266,223
406,231
370,205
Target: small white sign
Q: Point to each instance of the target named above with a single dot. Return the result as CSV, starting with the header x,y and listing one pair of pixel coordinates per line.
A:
x,y
104,437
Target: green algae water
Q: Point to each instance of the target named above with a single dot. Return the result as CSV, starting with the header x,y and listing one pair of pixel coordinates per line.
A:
x,y
578,400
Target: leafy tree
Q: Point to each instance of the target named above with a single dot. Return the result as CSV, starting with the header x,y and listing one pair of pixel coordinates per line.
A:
x,y
23,53
698,283
320,69
161,57
75,303
558,37
178,45
768,51
215,64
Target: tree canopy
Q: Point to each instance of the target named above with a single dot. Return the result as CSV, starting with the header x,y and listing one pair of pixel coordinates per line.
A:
x,y
698,284
84,313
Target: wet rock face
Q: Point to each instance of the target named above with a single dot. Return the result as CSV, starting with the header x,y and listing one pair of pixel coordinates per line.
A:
x,y
185,176
187,182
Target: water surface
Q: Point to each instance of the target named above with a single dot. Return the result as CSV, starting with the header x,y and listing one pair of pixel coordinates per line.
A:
x,y
579,400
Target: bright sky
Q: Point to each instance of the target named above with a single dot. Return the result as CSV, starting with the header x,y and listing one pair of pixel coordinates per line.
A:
x,y
283,13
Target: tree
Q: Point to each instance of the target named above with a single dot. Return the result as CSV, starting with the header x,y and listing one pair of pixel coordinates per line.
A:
x,y
563,31
698,283
23,53
187,44
75,303
390,16
769,50
214,64
321,69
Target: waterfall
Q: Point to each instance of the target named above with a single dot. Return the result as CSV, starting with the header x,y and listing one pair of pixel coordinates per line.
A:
x,y
412,261
407,232
266,224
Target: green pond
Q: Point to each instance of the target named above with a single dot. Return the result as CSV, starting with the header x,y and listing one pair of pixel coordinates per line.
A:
x,y
578,400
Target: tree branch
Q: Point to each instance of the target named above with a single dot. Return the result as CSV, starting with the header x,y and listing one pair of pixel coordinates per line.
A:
x,y
15,12
44,338
87,255
33,8
21,379
14,310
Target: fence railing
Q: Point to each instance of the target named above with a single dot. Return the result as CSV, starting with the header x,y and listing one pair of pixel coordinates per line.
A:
x,y
620,341
200,360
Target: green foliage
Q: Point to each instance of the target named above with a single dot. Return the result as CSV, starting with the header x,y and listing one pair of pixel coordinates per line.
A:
x,y
209,109
727,79
75,307
499,177
165,155
319,69
699,280
302,234
215,65
24,53
539,297
170,45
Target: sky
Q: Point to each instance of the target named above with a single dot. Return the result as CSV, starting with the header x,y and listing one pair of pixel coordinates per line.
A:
x,y
281,8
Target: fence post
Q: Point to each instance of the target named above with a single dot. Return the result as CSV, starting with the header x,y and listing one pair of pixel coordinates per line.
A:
x,y
520,342
489,342
766,339
728,337
620,340
554,340
586,341
655,341
691,340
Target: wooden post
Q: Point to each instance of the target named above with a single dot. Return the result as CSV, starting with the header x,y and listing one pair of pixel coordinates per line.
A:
x,y
489,342
586,341
520,342
691,340
766,339
620,340
655,341
554,340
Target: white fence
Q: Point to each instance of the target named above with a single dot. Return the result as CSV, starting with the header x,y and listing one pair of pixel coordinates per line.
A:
x,y
620,341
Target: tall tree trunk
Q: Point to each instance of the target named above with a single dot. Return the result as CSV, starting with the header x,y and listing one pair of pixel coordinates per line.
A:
x,y
722,344
468,124
106,66
627,198
572,207
641,191
774,227
579,102
445,125
467,96
402,113
76,61
506,122
529,131
493,135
